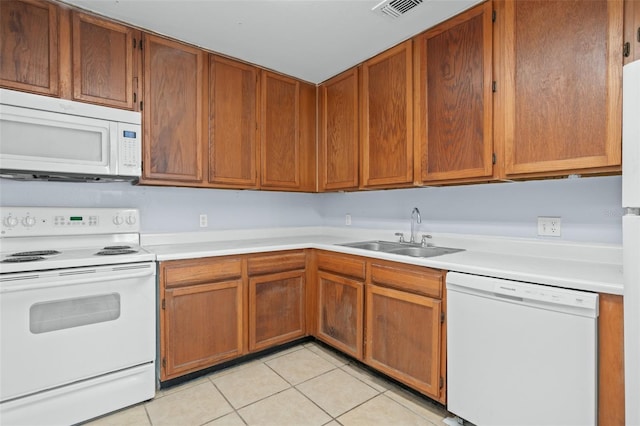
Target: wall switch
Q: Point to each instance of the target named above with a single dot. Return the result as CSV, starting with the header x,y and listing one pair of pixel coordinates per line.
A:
x,y
347,219
549,226
204,221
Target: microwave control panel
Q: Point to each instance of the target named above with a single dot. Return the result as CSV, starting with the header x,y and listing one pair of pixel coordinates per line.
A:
x,y
129,149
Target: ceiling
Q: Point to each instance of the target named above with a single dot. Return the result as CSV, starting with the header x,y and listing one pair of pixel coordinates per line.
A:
x,y
312,40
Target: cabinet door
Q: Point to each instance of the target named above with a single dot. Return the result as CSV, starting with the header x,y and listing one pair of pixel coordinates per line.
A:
x,y
233,107
454,106
386,127
287,134
631,30
340,314
103,61
173,111
560,85
403,337
202,326
338,148
276,309
29,46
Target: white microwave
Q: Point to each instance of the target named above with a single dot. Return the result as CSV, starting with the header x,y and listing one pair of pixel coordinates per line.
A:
x,y
57,139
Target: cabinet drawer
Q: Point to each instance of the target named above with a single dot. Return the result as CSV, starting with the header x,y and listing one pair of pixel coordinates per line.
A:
x,y
287,261
414,279
187,272
341,264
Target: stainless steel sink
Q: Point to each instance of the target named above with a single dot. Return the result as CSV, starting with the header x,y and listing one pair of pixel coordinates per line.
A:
x,y
424,251
375,245
405,249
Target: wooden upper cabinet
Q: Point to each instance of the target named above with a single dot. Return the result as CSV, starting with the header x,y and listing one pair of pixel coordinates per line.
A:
x,y
173,111
29,38
338,143
287,134
631,30
559,68
104,61
453,65
386,126
233,125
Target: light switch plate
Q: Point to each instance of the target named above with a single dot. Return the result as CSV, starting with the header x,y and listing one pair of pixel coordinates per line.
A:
x,y
204,221
549,226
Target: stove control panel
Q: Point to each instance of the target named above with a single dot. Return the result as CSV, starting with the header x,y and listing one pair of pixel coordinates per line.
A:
x,y
43,221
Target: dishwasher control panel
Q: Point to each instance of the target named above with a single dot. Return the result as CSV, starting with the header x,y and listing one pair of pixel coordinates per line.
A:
x,y
520,291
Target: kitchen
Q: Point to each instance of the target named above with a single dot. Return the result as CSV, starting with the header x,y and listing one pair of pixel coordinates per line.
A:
x,y
590,208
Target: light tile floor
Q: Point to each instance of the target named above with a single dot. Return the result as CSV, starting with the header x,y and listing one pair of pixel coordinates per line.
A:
x,y
303,385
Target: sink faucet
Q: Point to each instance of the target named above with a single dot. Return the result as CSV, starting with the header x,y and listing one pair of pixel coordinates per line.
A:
x,y
414,213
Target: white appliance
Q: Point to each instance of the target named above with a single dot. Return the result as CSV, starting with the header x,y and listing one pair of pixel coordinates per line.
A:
x,y
519,353
58,139
631,237
77,314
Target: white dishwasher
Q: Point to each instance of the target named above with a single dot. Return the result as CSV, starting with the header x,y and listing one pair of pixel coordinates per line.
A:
x,y
519,353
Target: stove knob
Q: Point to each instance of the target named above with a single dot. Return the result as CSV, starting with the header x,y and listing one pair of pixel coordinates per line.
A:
x,y
118,220
10,221
131,220
28,221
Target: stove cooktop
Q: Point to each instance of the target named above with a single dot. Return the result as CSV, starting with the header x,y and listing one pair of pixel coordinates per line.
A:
x,y
45,238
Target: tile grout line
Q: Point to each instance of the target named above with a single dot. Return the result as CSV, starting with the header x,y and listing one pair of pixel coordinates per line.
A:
x,y
228,402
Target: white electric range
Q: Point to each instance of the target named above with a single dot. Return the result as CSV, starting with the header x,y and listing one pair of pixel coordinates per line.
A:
x,y
77,314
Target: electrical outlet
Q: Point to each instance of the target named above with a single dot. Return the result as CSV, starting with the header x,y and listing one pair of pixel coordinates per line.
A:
x,y
347,219
549,226
204,221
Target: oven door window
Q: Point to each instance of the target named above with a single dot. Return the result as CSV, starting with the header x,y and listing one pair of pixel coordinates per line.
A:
x,y
76,312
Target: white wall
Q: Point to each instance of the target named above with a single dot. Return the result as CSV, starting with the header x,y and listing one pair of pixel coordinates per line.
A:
x,y
589,207
168,209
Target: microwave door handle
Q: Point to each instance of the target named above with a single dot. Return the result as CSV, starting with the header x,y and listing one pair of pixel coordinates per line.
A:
x,y
61,281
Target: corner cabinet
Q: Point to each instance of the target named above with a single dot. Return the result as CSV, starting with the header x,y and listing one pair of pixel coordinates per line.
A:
x,y
340,282
277,298
386,126
338,132
288,131
173,120
201,315
559,73
105,61
233,123
27,27
404,325
454,129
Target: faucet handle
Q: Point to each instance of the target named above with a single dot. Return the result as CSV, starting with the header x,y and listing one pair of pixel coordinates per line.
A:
x,y
425,237
401,235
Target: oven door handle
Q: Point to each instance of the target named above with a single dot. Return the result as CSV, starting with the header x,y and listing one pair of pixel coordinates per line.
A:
x,y
61,281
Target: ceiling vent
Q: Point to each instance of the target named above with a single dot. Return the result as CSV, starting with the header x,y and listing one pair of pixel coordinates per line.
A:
x,y
396,8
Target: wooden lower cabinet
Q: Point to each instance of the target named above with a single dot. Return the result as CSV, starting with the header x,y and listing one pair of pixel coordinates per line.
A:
x,y
276,309
340,315
277,298
201,314
611,361
204,326
403,337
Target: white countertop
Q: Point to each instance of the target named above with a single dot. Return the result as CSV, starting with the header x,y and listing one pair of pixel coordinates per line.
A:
x,y
590,267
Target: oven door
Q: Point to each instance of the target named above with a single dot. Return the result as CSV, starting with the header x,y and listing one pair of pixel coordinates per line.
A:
x,y
64,326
